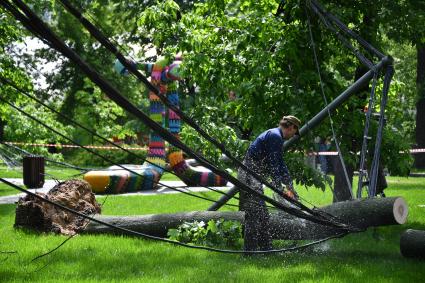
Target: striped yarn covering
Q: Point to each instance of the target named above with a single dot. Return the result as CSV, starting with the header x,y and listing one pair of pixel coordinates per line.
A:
x,y
155,159
191,176
116,180
194,176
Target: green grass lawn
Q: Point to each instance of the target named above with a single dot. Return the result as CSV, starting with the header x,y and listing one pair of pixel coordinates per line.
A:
x,y
51,172
372,256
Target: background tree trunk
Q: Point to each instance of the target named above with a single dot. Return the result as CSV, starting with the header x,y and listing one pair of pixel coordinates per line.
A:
x,y
2,124
420,105
341,189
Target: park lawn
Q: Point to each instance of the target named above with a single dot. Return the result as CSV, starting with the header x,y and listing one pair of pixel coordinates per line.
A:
x,y
6,190
57,173
52,172
372,256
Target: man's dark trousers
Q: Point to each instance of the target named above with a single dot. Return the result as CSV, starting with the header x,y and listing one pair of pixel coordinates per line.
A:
x,y
257,230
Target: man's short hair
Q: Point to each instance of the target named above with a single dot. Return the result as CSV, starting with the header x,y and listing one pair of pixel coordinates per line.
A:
x,y
291,120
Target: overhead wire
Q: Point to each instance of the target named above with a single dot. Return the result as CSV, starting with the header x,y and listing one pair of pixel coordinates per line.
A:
x,y
33,22
348,31
104,41
272,250
178,243
132,69
341,159
360,56
104,139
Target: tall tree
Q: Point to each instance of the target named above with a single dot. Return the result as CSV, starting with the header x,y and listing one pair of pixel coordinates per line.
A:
x,y
405,24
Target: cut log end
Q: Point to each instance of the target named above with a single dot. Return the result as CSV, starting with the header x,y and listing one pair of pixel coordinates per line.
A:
x,y
400,210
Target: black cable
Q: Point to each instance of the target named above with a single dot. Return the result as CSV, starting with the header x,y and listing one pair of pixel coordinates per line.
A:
x,y
24,20
50,44
348,31
20,90
112,93
362,58
139,234
104,41
316,61
133,69
99,155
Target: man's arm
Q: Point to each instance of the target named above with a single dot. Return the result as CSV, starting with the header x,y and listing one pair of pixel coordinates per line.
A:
x,y
279,170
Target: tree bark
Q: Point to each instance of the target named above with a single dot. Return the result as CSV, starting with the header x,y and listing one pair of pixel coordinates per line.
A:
x,y
359,213
412,243
420,105
2,124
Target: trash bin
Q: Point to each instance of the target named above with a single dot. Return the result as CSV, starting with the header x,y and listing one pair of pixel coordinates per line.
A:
x,y
33,171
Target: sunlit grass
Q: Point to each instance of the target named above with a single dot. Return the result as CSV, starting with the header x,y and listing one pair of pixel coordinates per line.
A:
x,y
372,256
59,173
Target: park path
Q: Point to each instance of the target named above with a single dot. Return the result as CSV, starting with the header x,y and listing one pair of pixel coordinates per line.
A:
x,y
48,184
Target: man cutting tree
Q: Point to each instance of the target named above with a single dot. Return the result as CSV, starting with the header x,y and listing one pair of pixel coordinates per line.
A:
x,y
265,157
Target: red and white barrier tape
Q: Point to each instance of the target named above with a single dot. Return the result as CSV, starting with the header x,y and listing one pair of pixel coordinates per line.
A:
x,y
326,153
330,153
74,146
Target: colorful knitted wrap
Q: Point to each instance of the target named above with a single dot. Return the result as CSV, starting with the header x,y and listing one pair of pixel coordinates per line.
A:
x,y
165,77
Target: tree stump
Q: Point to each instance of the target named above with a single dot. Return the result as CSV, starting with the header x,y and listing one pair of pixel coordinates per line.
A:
x,y
35,214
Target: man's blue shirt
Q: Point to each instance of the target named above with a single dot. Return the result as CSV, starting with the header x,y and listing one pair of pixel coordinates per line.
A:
x,y
267,152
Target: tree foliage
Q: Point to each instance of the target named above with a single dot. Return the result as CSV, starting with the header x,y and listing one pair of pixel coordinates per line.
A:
x,y
230,47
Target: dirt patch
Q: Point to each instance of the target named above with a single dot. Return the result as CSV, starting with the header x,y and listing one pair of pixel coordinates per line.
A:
x,y
75,194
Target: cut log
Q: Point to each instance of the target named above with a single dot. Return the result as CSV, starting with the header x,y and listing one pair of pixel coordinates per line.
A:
x,y
158,224
359,213
363,214
412,243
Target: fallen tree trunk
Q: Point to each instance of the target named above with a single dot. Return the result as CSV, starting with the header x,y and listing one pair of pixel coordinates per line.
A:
x,y
359,213
412,243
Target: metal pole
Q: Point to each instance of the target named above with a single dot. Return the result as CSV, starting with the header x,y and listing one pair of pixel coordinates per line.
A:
x,y
316,120
353,89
